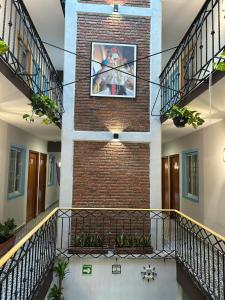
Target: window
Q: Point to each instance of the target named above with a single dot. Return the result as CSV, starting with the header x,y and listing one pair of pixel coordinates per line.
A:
x,y
51,170
16,172
171,87
36,77
23,55
45,85
191,175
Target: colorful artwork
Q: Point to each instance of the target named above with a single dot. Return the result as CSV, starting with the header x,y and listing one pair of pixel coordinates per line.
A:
x,y
113,70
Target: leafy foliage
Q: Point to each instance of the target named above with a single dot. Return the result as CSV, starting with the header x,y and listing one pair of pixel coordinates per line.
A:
x,y
7,230
220,66
192,116
43,106
3,47
130,241
88,240
60,269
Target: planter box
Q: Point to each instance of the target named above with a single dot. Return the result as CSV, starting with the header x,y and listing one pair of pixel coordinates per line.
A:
x,y
7,245
87,250
134,250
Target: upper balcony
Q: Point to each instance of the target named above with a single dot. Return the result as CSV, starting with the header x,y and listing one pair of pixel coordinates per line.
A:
x,y
186,75
26,64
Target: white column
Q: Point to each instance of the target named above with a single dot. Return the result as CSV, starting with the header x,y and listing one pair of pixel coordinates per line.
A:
x,y
67,159
155,124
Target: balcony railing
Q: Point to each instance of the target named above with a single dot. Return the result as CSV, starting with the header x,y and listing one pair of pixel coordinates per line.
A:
x,y
193,60
27,57
124,233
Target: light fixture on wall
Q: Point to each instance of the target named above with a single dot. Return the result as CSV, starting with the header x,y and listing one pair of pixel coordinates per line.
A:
x,y
115,8
115,137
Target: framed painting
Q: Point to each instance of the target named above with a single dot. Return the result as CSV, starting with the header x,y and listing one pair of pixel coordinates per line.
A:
x,y
113,70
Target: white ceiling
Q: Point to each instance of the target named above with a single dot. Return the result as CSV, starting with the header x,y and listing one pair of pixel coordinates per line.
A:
x,y
202,105
13,104
48,18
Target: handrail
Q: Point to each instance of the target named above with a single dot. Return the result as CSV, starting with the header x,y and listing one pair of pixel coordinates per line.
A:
x,y
23,241
8,255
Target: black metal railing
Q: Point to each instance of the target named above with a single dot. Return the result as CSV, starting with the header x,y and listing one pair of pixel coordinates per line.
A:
x,y
22,271
124,233
194,58
27,57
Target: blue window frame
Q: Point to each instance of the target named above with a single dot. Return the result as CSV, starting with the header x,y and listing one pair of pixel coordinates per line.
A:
x,y
23,55
45,85
51,170
16,175
190,175
171,89
36,77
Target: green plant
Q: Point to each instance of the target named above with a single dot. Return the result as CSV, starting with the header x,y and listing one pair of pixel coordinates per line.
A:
x,y
3,47
88,240
60,269
43,106
220,66
145,241
7,230
192,117
121,240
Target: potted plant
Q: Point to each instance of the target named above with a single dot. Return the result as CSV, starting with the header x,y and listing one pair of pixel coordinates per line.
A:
x,y
60,269
133,244
43,106
7,236
183,116
3,47
220,66
88,244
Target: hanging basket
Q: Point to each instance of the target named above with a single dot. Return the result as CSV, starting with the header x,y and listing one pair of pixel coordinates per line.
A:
x,y
180,122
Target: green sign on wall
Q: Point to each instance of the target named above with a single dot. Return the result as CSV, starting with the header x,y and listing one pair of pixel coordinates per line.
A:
x,y
87,269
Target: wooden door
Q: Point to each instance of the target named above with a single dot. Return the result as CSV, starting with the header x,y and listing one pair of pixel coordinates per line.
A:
x,y
174,182
42,183
165,183
32,185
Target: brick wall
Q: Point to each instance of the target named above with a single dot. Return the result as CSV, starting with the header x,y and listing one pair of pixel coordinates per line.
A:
x,y
140,3
108,114
111,175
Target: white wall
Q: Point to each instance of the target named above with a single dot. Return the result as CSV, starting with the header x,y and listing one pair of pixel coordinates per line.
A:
x,y
210,143
102,284
16,208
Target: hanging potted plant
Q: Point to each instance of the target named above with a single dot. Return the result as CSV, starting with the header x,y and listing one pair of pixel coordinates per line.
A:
x,y
7,236
220,66
43,106
3,47
183,116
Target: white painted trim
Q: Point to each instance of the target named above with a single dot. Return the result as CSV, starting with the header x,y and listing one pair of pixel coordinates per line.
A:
x,y
108,10
66,184
155,124
104,136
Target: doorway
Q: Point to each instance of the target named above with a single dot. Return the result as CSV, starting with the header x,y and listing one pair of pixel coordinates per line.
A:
x,y
171,182
32,185
42,183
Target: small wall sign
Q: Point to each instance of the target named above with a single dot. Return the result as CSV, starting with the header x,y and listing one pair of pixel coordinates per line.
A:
x,y
87,269
116,269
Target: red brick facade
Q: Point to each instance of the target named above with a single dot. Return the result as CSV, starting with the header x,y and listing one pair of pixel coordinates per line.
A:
x,y
140,3
110,114
111,175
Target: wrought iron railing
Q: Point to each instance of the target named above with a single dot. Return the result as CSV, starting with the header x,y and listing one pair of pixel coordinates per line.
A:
x,y
124,233
27,57
193,60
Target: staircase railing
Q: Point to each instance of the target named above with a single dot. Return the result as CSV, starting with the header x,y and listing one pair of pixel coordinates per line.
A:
x,y
27,57
124,233
193,60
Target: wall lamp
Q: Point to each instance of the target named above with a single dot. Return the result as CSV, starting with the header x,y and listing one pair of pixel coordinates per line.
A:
x,y
115,8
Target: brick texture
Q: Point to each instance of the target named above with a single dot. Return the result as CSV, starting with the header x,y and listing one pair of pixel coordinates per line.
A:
x,y
110,114
140,3
111,175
